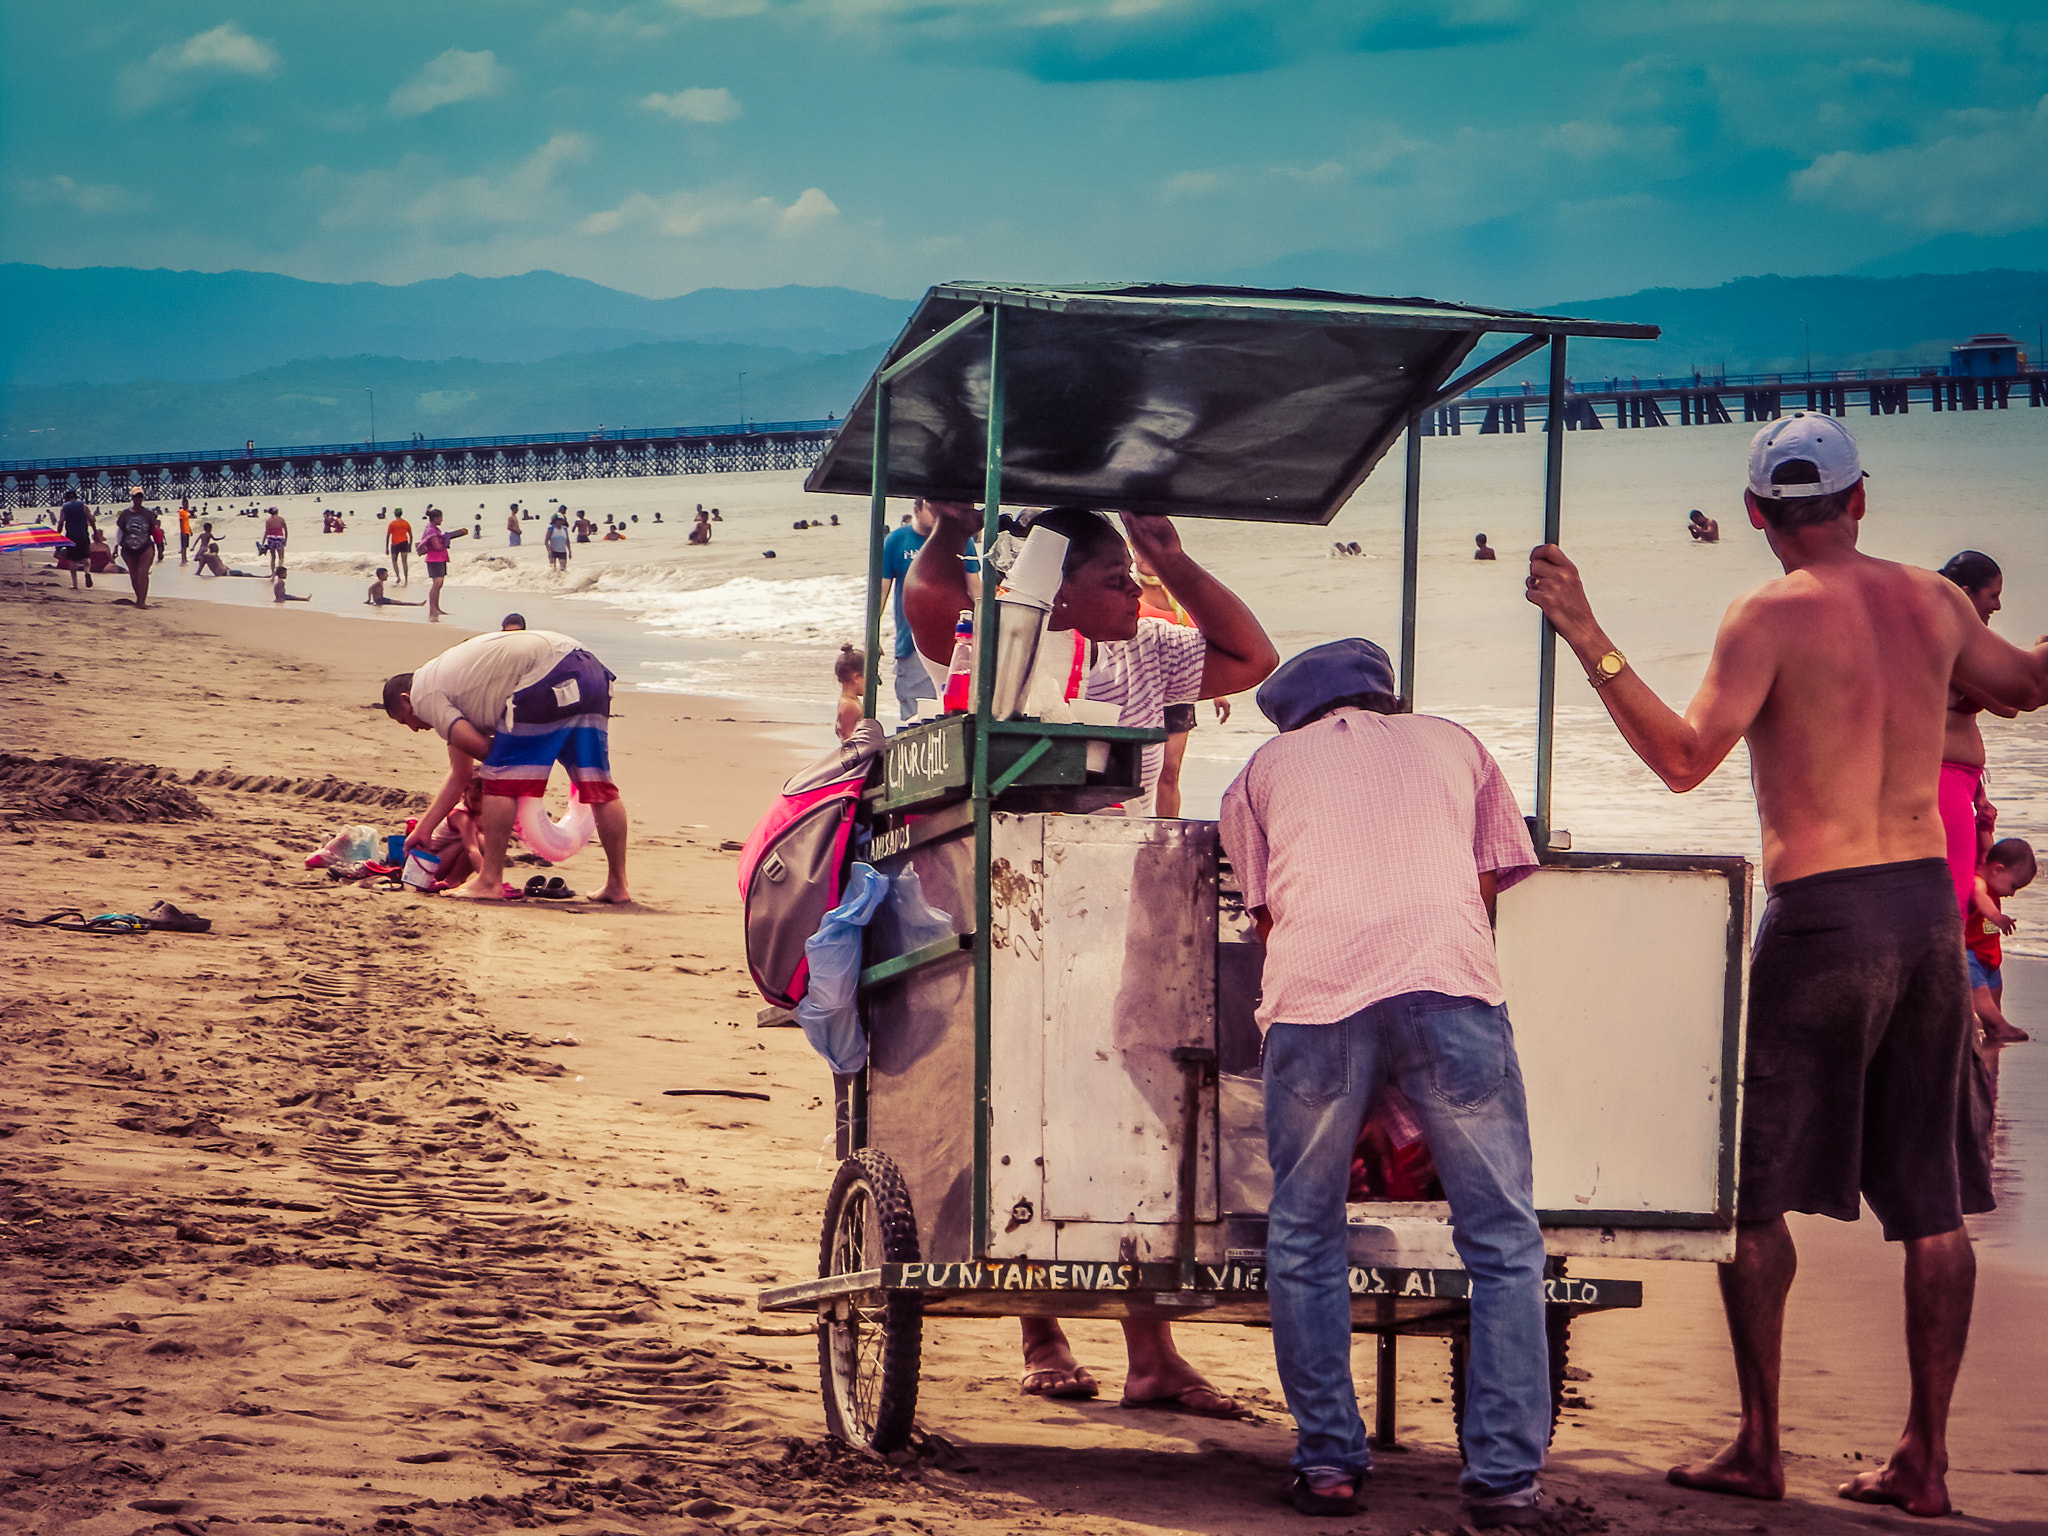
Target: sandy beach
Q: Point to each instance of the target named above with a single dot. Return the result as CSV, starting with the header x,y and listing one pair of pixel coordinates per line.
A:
x,y
369,1211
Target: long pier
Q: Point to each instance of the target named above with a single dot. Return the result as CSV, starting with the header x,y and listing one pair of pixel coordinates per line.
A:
x,y
256,473
1694,403
253,473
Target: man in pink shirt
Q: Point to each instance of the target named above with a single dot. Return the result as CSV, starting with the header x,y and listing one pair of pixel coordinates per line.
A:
x,y
1370,844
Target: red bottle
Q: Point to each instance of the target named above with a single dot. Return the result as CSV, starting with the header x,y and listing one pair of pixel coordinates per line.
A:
x,y
959,695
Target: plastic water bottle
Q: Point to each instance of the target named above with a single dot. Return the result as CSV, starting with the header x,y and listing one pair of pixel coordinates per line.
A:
x,y
959,695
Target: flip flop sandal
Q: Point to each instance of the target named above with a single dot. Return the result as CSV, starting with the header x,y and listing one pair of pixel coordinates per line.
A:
x,y
104,923
165,918
1062,1386
554,888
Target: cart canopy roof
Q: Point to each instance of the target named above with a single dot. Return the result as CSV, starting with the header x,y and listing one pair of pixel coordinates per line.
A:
x,y
1269,405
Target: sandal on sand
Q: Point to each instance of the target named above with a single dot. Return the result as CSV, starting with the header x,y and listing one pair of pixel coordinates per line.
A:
x,y
105,923
1308,1499
166,918
553,888
1065,1386
536,885
1204,1402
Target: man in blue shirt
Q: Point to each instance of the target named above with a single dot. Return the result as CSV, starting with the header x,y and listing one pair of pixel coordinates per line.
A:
x,y
912,681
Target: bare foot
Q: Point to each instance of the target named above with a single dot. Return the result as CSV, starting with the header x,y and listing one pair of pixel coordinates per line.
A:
x,y
611,896
474,889
2005,1034
1925,1495
1733,1470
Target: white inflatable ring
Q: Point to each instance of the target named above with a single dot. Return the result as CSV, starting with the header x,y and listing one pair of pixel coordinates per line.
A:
x,y
555,841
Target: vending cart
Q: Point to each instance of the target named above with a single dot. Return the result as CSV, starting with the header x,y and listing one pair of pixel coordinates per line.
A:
x,y
1060,1113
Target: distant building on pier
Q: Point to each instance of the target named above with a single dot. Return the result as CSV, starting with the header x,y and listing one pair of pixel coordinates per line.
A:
x,y
1987,355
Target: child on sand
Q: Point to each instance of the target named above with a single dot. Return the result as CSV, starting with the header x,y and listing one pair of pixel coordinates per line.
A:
x,y
850,666
277,591
377,599
2007,868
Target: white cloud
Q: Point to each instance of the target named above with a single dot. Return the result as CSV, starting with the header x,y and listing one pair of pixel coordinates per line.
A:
x,y
686,215
408,196
699,104
454,76
224,50
811,207
82,197
721,8
1989,176
1190,184
612,29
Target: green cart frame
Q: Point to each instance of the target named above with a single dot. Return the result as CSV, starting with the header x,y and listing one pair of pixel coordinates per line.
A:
x,y
1203,402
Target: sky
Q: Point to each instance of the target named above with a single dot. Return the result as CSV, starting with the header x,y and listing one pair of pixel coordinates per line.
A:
x,y
1505,151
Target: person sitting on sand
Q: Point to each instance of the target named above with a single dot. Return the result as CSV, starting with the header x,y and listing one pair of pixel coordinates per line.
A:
x,y
2008,868
99,557
1371,844
1142,665
377,598
206,553
1485,551
277,591
559,700
1704,529
1859,1085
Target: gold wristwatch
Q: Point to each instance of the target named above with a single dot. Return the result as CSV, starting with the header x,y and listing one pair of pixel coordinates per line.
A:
x,y
1607,669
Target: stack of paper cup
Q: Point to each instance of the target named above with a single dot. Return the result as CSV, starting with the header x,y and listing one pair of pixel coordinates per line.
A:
x,y
1023,602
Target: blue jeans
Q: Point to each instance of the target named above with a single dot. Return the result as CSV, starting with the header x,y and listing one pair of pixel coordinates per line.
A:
x,y
912,683
1454,1058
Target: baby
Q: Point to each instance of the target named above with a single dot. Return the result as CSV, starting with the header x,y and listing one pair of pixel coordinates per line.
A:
x,y
2007,868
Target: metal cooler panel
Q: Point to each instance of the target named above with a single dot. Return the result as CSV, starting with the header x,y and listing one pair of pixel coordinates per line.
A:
x,y
1104,934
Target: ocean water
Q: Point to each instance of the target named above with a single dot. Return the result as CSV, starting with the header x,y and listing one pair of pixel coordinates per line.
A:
x,y
727,621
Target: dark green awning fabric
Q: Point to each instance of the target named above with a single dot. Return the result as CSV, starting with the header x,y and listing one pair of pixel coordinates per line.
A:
x,y
1255,404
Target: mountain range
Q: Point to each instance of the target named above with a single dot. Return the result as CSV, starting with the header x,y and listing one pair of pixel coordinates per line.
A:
x,y
109,325
329,400
117,360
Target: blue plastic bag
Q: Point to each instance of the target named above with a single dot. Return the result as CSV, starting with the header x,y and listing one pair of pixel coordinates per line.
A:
x,y
827,1011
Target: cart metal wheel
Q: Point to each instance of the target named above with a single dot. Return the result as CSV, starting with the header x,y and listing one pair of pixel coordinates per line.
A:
x,y
1557,1331
867,1350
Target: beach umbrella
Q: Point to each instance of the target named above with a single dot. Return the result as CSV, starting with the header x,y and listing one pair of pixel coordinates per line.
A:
x,y
30,538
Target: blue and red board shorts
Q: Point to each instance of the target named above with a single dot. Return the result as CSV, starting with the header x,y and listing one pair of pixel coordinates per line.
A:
x,y
564,718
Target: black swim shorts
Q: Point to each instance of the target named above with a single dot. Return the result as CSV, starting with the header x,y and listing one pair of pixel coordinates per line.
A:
x,y
1858,1077
1180,717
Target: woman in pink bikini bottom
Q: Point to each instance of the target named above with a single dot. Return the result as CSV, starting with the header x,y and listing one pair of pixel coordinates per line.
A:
x,y
1967,814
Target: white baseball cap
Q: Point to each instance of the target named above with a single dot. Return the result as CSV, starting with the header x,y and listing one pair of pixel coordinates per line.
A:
x,y
1820,441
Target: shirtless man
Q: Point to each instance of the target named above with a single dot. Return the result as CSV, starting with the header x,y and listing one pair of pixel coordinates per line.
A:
x,y
1837,675
1704,529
